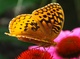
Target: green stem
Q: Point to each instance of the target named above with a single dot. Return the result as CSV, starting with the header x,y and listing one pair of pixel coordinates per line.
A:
x,y
54,0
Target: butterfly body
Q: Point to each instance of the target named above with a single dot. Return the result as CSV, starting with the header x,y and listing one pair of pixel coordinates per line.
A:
x,y
41,27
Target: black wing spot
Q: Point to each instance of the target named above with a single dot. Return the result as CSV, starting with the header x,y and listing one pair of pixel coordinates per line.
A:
x,y
32,23
16,23
21,24
57,9
20,28
44,16
48,13
27,20
32,20
25,29
54,10
40,17
51,11
15,27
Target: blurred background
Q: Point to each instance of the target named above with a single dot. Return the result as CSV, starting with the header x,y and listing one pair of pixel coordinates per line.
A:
x,y
10,47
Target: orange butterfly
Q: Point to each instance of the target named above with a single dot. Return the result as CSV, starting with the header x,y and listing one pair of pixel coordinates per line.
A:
x,y
41,27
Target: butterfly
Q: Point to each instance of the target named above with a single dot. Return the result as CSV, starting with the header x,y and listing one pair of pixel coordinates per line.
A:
x,y
41,27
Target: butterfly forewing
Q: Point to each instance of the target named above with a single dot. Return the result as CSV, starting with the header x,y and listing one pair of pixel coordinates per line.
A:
x,y
50,19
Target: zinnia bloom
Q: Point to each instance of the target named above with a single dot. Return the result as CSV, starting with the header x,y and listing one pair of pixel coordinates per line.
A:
x,y
34,54
68,45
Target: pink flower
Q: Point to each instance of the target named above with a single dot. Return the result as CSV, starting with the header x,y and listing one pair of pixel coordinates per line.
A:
x,y
64,34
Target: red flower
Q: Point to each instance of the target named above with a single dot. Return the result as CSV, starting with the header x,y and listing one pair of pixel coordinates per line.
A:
x,y
34,54
69,47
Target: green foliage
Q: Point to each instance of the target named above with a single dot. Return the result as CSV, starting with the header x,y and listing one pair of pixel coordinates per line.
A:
x,y
10,45
2,57
54,0
7,4
10,39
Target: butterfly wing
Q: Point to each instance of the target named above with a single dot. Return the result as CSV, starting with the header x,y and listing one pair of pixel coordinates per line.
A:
x,y
50,18
25,26
40,27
